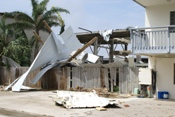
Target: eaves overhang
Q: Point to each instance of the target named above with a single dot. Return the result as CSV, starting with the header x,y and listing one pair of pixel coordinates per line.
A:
x,y
139,3
150,3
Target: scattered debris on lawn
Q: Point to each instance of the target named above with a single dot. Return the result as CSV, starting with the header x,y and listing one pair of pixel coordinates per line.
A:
x,y
73,99
102,92
101,109
126,105
1,87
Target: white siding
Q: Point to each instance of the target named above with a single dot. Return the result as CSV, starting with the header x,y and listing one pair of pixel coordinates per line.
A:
x,y
158,15
165,74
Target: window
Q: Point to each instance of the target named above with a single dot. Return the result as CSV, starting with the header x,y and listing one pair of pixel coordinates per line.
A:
x,y
172,21
172,18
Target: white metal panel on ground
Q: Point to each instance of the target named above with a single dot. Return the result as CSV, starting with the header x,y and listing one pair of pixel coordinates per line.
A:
x,y
71,99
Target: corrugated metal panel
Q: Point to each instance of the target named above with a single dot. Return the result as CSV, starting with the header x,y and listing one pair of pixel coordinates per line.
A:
x,y
55,48
41,73
71,41
47,54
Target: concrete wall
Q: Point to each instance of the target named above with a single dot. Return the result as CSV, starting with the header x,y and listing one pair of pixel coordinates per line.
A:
x,y
158,15
165,74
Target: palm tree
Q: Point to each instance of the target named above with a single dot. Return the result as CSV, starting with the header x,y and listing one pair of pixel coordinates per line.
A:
x,y
61,22
5,37
35,22
18,50
14,44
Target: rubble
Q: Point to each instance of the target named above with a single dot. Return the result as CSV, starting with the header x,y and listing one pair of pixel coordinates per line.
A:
x,y
74,99
101,109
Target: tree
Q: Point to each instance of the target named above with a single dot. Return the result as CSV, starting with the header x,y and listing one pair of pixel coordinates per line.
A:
x,y
35,22
14,44
61,22
5,35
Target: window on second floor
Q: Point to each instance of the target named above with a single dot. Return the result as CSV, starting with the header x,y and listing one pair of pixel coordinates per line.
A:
x,y
172,18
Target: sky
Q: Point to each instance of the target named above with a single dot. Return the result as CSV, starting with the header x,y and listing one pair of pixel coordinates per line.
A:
x,y
94,15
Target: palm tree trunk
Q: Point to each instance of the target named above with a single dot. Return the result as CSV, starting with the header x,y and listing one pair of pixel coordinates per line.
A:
x,y
36,48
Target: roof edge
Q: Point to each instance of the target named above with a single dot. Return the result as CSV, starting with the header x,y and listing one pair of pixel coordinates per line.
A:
x,y
139,3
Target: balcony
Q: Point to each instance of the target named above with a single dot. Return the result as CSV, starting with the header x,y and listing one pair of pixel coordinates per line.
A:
x,y
153,40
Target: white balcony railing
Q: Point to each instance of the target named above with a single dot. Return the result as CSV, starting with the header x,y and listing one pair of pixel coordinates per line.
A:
x,y
153,40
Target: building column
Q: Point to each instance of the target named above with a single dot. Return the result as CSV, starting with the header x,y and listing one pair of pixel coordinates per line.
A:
x,y
95,47
111,59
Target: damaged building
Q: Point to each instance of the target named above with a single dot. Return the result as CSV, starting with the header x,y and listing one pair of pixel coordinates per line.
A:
x,y
87,70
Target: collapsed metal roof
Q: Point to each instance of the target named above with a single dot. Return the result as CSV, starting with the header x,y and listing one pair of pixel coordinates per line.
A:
x,y
56,51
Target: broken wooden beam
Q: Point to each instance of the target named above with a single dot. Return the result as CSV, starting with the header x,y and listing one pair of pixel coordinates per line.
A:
x,y
38,37
47,26
122,53
123,40
101,109
82,49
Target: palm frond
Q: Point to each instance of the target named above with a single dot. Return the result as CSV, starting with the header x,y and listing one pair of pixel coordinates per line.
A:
x,y
34,6
20,33
2,24
21,25
19,16
46,18
10,15
61,21
40,9
43,4
18,50
54,10
58,9
24,17
52,23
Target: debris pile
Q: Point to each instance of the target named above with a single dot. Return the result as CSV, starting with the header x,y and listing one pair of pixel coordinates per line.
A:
x,y
101,92
73,99
1,87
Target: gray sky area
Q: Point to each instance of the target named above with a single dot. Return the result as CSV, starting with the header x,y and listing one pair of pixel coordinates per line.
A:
x,y
93,15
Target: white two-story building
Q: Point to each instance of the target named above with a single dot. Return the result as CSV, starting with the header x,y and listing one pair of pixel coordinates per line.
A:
x,y
157,41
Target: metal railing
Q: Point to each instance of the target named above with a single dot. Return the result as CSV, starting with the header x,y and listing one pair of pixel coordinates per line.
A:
x,y
153,40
